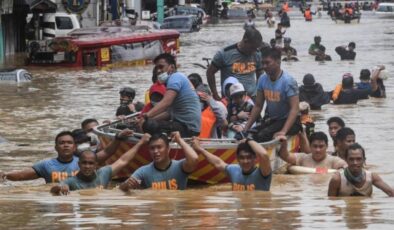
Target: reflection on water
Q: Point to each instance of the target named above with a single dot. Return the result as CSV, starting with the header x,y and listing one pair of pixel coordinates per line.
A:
x,y
58,99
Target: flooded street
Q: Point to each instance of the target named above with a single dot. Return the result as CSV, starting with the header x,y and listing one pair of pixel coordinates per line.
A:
x,y
59,99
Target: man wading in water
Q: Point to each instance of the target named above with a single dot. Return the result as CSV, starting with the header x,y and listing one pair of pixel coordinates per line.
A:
x,y
88,175
244,175
355,180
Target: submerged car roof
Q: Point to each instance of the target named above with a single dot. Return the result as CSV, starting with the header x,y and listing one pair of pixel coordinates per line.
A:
x,y
180,16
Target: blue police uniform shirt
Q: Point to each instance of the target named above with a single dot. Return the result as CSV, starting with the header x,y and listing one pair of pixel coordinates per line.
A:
x,y
277,94
53,170
103,177
248,182
172,178
186,106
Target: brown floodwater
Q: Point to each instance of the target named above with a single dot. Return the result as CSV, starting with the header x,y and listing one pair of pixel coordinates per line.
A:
x,y
59,99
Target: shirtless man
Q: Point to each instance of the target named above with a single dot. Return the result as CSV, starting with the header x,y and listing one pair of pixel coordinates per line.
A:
x,y
355,180
317,159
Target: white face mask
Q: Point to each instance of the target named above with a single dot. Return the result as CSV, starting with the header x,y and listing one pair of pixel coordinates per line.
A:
x,y
163,77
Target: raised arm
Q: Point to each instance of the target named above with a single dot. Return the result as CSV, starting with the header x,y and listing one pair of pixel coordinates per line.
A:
x,y
218,163
212,81
375,76
284,153
334,185
129,155
379,183
264,160
258,106
26,174
191,156
106,153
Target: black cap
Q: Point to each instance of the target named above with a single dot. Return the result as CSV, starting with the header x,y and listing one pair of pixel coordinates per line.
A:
x,y
80,136
127,91
308,80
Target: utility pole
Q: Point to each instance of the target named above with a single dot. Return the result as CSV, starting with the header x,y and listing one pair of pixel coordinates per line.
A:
x,y
160,11
1,42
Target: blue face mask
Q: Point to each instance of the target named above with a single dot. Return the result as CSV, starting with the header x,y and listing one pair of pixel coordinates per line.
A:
x,y
163,77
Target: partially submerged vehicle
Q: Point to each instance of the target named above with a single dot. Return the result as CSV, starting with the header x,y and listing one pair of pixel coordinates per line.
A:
x,y
205,172
15,75
385,10
202,17
104,46
182,23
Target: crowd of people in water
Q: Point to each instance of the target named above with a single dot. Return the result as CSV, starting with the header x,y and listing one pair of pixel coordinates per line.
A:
x,y
179,107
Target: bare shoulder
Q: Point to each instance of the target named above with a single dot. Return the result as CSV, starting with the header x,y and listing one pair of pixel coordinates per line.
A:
x,y
336,177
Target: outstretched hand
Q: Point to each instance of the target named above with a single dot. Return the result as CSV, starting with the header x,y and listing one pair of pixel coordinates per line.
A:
x,y
145,138
176,136
61,189
281,138
131,183
125,133
196,144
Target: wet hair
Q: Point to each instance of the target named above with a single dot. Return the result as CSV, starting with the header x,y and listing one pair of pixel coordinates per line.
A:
x,y
355,146
64,133
347,83
245,147
88,121
343,133
161,136
337,120
252,35
167,57
318,136
80,136
352,44
195,79
274,53
128,92
82,155
365,74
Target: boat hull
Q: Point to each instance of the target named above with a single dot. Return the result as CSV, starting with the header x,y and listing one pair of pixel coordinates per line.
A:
x,y
205,172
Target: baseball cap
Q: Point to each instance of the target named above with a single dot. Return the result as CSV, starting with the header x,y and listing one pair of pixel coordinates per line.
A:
x,y
304,106
236,88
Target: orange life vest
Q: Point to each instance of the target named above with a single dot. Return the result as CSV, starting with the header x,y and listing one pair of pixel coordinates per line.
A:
x,y
208,120
285,7
308,15
336,92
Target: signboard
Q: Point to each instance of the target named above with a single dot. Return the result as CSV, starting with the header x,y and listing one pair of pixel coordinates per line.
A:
x,y
75,6
104,54
145,15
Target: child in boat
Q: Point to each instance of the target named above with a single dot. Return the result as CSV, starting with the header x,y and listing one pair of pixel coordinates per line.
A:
x,y
238,110
156,93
